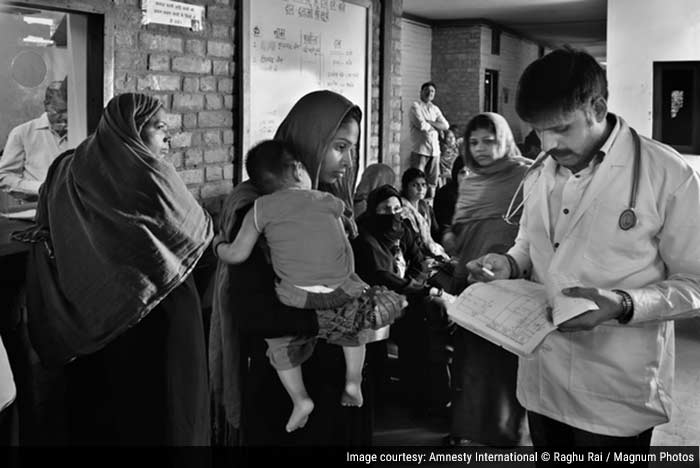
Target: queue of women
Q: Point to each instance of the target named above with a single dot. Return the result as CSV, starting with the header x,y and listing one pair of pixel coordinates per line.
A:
x,y
117,238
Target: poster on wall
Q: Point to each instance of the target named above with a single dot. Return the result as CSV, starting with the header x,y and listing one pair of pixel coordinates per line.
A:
x,y
294,47
172,13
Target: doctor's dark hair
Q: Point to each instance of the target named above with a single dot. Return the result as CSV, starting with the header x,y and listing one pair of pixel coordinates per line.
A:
x,y
269,165
561,81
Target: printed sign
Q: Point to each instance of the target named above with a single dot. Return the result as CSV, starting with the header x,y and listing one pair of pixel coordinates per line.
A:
x,y
173,14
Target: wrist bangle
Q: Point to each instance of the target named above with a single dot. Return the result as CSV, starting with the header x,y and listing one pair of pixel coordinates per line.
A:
x,y
514,268
627,307
216,245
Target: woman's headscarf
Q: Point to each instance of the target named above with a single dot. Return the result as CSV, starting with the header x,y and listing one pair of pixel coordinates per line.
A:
x,y
125,231
487,190
374,175
309,127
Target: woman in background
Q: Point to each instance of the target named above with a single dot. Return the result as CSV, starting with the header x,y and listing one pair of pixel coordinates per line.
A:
x,y
374,175
484,407
420,214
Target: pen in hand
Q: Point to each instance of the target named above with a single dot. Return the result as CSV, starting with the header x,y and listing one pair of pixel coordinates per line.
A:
x,y
487,272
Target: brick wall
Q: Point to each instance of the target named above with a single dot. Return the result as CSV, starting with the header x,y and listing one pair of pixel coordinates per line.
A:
x,y
461,55
455,71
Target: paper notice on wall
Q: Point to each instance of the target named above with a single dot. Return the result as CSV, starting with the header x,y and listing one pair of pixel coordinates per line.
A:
x,y
172,14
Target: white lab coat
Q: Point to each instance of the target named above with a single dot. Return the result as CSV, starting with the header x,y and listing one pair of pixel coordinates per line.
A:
x,y
615,379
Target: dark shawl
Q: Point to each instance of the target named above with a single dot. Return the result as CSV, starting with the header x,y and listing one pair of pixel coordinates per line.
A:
x,y
309,128
125,232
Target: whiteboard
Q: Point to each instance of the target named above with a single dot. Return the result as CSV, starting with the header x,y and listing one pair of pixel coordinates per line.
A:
x,y
293,47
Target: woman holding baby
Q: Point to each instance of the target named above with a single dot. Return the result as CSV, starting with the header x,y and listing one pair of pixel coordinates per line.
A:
x,y
323,130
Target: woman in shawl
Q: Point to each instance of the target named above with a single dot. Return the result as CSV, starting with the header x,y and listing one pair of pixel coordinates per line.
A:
x,y
324,129
374,175
420,214
484,408
122,235
388,253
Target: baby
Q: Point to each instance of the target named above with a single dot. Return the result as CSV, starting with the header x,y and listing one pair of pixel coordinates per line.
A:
x,y
313,259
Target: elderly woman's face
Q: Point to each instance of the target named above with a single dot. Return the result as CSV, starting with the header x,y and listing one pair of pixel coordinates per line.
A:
x,y
340,153
390,206
155,134
483,146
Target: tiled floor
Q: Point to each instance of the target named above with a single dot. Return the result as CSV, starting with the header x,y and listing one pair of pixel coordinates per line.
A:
x,y
397,426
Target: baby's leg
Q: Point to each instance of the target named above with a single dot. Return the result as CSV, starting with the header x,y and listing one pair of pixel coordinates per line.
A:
x,y
354,360
293,382
286,354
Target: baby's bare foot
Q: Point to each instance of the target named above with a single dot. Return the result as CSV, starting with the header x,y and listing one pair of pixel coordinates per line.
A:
x,y
352,396
300,414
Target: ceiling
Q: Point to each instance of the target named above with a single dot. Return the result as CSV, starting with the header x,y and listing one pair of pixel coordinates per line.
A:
x,y
580,23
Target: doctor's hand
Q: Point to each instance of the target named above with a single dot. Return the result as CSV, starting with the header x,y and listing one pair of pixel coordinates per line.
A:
x,y
489,267
609,307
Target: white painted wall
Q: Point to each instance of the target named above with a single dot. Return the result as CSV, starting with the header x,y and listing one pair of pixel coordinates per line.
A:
x,y
641,32
416,58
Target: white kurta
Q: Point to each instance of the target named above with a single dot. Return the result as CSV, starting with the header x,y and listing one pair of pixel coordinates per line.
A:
x,y
615,379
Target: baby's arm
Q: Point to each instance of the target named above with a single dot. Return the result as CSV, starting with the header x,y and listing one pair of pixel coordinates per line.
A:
x,y
239,250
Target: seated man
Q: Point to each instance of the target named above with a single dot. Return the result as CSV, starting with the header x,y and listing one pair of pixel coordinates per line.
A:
x,y
33,145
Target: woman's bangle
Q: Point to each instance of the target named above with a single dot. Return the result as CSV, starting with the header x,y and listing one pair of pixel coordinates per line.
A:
x,y
217,242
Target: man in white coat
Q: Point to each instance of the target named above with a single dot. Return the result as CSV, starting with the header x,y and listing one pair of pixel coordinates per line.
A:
x,y
628,233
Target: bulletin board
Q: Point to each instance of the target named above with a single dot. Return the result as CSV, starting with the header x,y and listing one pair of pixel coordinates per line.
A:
x,y
293,47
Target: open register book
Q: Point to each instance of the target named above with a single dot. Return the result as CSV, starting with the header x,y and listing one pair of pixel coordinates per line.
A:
x,y
513,313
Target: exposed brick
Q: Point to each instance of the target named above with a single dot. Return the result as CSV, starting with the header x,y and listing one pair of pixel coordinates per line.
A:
x,y
216,189
195,47
228,171
188,102
181,140
192,176
207,84
159,83
193,157
192,65
128,60
216,155
174,121
159,62
212,138
189,121
125,38
220,118
225,85
214,101
220,67
160,42
218,14
195,192
220,49
220,31
213,173
228,137
190,84
124,82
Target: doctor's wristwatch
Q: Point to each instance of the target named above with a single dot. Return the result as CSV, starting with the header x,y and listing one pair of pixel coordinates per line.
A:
x,y
627,307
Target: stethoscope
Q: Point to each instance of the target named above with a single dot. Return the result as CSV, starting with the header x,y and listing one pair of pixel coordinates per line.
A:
x,y
628,217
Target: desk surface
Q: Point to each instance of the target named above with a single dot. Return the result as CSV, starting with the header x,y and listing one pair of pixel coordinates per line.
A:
x,y
7,245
